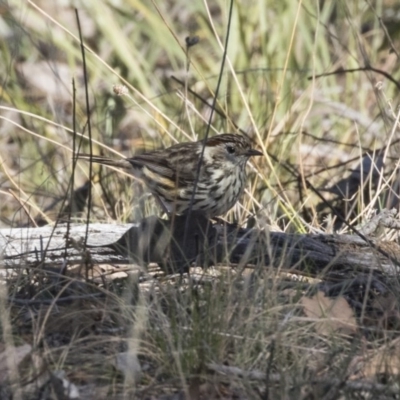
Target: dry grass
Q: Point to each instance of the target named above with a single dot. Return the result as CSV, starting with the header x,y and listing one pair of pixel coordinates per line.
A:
x,y
314,128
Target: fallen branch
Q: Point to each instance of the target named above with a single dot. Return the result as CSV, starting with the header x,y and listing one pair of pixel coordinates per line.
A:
x,y
154,240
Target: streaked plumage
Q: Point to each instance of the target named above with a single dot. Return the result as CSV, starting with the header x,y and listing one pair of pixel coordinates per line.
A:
x,y
170,173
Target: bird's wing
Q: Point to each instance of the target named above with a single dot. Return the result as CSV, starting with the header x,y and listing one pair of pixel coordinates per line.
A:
x,y
167,166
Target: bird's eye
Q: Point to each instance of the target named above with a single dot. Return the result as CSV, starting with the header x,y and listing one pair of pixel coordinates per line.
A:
x,y
230,149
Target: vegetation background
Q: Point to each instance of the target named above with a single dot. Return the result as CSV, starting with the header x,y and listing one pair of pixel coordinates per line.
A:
x,y
316,86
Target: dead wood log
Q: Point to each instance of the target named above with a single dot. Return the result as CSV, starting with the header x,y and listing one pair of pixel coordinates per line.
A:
x,y
178,243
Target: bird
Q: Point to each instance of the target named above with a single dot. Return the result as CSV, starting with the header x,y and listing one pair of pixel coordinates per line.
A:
x,y
214,167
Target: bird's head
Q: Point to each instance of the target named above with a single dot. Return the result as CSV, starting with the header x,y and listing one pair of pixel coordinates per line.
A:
x,y
232,149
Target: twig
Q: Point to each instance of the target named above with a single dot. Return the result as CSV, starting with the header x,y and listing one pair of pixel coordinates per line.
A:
x,y
55,300
360,385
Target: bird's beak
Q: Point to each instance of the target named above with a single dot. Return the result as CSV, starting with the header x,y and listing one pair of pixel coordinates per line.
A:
x,y
253,152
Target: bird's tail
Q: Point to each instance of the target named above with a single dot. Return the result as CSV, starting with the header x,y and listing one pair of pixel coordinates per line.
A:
x,y
105,161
